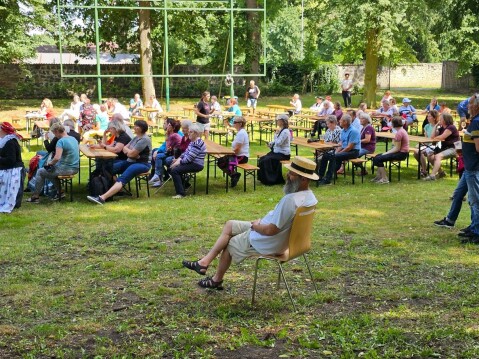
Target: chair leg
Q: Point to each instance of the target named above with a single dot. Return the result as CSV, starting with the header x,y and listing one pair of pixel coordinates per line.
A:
x,y
255,278
286,284
310,273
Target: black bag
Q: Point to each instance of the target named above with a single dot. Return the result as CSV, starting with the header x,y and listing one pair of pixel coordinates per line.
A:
x,y
98,185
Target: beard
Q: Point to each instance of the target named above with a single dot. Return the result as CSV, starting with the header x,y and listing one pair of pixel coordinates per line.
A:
x,y
291,186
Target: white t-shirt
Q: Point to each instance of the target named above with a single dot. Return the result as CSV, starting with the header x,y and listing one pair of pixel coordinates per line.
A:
x,y
243,139
155,104
297,106
346,85
215,106
282,217
119,108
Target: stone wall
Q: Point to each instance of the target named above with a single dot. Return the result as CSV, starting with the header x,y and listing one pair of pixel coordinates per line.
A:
x,y
44,80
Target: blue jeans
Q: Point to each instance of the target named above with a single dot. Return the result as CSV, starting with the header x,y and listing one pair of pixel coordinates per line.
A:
x,y
159,161
472,179
363,152
457,196
129,170
333,162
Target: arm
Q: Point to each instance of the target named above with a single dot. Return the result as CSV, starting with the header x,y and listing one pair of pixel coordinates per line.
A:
x,y
264,229
58,155
443,136
348,148
257,88
396,148
367,138
476,142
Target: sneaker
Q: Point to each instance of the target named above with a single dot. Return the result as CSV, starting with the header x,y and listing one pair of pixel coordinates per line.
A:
x,y
324,182
234,179
429,178
97,200
423,174
382,181
444,223
33,200
154,179
178,196
441,174
57,197
467,234
157,183
473,239
375,179
464,230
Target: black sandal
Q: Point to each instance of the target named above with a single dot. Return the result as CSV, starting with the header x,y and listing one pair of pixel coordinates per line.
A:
x,y
209,283
198,268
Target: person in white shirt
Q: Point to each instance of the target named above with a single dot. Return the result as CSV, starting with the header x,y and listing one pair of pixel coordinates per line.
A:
x,y
268,235
346,86
296,103
318,105
115,107
73,112
154,103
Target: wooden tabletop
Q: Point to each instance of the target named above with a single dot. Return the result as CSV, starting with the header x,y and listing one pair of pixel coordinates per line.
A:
x,y
213,148
44,125
148,109
280,107
301,141
391,135
96,152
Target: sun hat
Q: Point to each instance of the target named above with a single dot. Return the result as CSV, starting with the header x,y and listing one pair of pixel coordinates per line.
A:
x,y
321,97
304,167
406,100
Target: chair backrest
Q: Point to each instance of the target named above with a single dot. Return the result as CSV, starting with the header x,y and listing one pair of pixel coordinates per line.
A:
x,y
300,235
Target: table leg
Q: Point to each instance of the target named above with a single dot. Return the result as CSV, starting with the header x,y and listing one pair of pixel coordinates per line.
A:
x,y
207,172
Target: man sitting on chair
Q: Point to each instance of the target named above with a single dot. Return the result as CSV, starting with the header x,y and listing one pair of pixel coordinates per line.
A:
x,y
267,236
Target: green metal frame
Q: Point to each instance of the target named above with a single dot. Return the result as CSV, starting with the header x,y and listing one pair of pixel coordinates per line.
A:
x,y
168,5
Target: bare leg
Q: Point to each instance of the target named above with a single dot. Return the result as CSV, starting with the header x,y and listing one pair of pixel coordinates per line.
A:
x,y
223,265
219,246
112,191
437,164
382,173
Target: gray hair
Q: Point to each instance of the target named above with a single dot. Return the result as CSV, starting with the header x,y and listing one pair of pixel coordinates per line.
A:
x,y
364,115
347,118
332,119
69,122
117,116
118,124
186,123
57,127
195,128
327,103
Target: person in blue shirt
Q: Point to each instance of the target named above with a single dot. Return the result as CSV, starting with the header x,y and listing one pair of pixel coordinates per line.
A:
x,y
407,111
234,108
462,110
350,147
135,104
433,105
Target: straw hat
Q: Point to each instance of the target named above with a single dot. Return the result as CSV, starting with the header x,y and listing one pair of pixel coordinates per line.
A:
x,y
304,167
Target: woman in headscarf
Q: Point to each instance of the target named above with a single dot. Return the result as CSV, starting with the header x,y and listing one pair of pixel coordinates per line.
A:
x,y
12,171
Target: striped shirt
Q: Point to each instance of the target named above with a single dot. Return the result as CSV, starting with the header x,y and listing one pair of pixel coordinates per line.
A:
x,y
195,153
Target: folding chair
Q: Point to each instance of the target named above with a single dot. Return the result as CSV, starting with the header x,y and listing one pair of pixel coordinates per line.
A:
x,y
299,244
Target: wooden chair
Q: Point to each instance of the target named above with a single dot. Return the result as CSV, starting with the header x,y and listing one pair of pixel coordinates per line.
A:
x,y
299,244
66,181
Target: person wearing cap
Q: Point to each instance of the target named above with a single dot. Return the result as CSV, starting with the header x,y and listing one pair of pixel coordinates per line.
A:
x,y
325,111
346,86
349,149
266,236
12,171
270,171
65,162
318,105
407,111
470,152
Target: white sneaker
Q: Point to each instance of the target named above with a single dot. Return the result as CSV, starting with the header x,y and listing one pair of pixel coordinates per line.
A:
x,y
375,179
157,184
382,181
154,179
178,196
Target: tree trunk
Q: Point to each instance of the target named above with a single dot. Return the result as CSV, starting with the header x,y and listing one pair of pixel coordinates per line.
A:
x,y
146,59
253,41
371,72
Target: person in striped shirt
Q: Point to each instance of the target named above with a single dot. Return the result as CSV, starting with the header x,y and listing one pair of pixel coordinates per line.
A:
x,y
192,160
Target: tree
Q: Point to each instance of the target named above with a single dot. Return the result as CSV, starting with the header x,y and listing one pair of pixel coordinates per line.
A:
x,y
21,27
374,31
146,54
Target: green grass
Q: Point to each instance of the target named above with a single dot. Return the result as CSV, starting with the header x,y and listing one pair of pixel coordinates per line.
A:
x,y
81,280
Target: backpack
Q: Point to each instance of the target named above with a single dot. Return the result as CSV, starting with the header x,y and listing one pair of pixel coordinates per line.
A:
x,y
98,185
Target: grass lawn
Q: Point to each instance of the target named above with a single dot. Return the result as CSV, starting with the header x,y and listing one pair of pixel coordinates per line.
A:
x,y
82,280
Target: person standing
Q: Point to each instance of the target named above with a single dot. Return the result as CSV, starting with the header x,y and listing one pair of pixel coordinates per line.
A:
x,y
203,113
470,151
252,95
346,86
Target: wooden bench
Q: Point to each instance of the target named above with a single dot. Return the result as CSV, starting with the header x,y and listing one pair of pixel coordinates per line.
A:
x,y
248,170
357,163
67,182
26,138
390,164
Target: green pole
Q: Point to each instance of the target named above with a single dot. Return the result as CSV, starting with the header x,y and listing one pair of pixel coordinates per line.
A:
x,y
167,60
232,90
97,46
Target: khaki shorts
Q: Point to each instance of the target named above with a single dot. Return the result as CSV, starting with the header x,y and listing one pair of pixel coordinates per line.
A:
x,y
450,152
203,126
239,246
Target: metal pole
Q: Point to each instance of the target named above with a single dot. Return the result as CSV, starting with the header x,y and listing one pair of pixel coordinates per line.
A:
x,y
97,47
302,29
167,60
232,90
